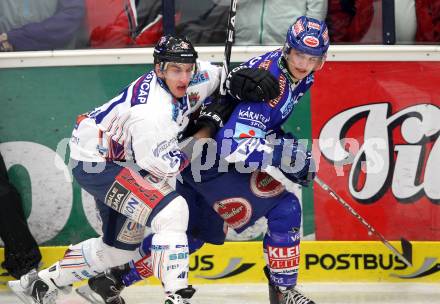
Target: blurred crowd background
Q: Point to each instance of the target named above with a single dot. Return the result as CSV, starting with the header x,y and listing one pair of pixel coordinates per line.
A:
x,y
32,25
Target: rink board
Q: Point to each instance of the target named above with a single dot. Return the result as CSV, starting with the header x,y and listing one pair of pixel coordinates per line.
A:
x,y
388,92
367,261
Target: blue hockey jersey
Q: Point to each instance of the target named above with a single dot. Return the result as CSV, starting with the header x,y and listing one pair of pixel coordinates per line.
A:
x,y
252,122
239,194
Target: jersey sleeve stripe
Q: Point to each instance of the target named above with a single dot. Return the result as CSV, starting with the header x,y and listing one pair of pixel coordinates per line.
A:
x,y
101,115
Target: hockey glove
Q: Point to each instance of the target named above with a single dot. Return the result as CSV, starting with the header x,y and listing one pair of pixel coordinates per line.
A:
x,y
294,160
252,84
215,115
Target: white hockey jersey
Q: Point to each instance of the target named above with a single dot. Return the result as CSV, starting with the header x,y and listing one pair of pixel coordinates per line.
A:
x,y
142,123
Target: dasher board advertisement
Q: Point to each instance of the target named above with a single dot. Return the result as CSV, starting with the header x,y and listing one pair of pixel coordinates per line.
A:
x,y
376,127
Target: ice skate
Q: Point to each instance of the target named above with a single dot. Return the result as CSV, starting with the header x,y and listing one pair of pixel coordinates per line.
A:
x,y
288,296
181,296
293,296
103,288
285,295
31,289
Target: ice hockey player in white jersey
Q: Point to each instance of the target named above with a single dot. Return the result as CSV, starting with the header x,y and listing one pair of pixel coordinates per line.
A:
x,y
238,197
122,153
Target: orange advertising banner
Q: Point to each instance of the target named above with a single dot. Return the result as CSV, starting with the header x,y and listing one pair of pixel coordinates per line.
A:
x,y
376,132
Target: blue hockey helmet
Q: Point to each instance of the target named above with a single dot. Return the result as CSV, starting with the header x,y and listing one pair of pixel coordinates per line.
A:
x,y
174,49
308,35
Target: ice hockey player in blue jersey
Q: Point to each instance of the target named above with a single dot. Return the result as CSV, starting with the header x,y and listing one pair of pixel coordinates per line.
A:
x,y
123,153
237,184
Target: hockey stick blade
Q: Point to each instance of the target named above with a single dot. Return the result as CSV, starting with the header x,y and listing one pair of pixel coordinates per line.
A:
x,y
370,228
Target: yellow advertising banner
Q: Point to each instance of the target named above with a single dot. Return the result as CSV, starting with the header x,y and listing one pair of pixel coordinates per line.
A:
x,y
321,261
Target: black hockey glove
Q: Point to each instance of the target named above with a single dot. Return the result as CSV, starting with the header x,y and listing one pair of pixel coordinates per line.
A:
x,y
215,115
252,84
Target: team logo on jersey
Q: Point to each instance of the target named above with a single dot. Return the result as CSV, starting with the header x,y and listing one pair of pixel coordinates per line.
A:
x,y
264,185
193,98
265,64
236,211
311,41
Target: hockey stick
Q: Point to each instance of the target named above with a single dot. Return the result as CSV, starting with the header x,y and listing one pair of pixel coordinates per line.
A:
x,y
230,33
405,257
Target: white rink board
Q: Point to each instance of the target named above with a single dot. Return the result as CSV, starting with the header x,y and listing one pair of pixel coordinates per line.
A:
x,y
322,293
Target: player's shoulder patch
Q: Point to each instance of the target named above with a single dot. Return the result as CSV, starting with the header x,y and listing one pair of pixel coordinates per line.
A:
x,y
270,59
265,64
